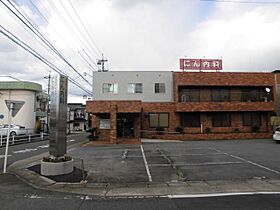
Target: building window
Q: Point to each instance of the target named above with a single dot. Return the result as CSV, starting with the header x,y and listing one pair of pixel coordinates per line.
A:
x,y
190,95
220,95
190,119
159,120
134,88
109,88
251,119
221,119
159,87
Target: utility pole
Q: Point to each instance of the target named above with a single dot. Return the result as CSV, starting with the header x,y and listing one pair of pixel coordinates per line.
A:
x,y
48,104
102,62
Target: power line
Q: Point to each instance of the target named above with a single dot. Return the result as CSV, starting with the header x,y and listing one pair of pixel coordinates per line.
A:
x,y
33,52
92,48
66,23
40,36
84,27
244,2
46,20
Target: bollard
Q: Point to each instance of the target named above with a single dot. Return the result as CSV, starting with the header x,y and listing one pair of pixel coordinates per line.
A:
x,y
1,140
29,137
42,136
13,139
83,169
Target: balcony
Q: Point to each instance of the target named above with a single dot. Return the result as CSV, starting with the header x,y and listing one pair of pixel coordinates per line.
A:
x,y
224,106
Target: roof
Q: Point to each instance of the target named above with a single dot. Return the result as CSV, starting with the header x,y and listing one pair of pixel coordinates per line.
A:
x,y
20,85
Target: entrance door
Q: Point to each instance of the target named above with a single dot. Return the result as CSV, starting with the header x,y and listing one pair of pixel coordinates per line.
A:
x,y
125,128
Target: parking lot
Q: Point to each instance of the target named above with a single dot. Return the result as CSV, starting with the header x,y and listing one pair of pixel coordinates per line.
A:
x,y
181,161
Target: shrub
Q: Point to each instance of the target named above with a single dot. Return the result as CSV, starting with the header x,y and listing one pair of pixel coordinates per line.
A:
x,y
57,159
179,129
255,128
207,130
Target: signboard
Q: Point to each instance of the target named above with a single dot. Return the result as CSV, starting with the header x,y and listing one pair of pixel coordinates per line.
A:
x,y
58,115
1,116
104,123
200,64
275,120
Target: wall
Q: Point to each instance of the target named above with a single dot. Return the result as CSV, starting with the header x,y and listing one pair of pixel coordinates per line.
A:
x,y
147,78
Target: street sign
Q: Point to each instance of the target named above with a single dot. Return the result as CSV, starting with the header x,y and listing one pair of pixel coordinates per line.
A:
x,y
1,116
16,106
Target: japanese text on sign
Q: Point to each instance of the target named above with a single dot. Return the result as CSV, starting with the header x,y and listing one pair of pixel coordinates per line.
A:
x,y
200,64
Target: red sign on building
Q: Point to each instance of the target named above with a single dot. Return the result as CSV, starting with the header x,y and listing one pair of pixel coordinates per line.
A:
x,y
200,64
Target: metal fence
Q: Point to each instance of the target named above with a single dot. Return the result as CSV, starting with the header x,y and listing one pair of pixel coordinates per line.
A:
x,y
21,139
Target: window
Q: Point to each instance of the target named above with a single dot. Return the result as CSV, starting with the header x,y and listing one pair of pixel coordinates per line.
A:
x,y
190,119
109,88
250,94
251,119
159,120
190,95
134,88
220,95
159,87
221,119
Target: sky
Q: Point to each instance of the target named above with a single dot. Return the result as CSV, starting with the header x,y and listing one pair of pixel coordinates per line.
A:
x,y
139,35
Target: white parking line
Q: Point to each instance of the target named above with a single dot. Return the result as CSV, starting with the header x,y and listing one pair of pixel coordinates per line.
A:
x,y
198,164
146,165
24,151
251,162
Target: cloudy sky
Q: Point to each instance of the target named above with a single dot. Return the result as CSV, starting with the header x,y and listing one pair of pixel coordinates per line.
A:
x,y
138,35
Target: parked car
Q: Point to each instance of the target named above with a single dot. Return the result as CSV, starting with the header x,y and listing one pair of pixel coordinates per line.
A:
x,y
14,130
276,135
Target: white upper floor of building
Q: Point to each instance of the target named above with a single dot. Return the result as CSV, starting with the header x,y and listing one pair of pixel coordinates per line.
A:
x,y
147,86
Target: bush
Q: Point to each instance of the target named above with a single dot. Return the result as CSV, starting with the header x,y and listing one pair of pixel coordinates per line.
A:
x,y
179,129
57,159
255,128
207,130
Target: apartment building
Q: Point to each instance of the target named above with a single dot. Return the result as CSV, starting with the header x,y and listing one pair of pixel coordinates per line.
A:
x,y
182,105
33,113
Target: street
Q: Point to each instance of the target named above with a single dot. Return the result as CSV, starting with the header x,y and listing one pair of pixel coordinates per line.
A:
x,y
14,194
22,151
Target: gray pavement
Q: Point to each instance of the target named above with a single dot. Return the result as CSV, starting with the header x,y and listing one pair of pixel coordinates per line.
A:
x,y
169,169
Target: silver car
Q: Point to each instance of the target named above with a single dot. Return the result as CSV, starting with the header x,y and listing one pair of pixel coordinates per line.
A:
x,y
15,130
276,135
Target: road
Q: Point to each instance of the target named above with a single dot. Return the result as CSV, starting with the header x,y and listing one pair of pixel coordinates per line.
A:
x,y
22,151
15,194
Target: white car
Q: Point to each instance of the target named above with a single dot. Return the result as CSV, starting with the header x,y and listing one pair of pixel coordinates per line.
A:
x,y
15,130
276,135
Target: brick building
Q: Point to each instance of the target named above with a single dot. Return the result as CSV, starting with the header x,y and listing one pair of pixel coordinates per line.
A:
x,y
182,105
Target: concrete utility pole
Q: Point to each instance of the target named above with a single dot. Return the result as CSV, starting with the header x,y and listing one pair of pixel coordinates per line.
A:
x,y
102,62
48,105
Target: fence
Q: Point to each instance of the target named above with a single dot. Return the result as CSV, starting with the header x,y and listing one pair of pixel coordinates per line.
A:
x,y
15,140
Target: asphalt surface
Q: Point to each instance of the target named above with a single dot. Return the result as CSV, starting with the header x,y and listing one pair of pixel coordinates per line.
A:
x,y
14,194
156,175
22,151
182,161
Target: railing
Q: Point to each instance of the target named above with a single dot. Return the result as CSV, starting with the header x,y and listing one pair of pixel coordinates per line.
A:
x,y
232,97
21,139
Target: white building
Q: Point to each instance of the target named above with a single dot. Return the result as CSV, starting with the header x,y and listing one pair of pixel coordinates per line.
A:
x,y
34,108
147,86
